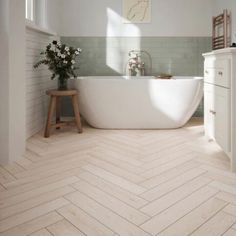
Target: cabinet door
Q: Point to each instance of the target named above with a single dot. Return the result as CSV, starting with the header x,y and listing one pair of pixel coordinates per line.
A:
x,y
222,118
217,115
209,107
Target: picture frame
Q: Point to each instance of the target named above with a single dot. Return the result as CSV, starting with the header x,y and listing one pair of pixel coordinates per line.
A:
x,y
136,11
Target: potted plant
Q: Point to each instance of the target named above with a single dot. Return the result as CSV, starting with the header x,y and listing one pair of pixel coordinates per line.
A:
x,y
60,59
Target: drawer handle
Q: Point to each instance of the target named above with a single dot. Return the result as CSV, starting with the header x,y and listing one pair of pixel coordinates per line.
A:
x,y
220,73
212,112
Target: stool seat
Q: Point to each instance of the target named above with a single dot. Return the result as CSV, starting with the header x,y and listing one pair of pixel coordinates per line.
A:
x,y
62,93
54,105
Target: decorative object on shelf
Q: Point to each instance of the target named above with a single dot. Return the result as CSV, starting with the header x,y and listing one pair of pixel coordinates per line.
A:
x,y
221,31
137,11
60,59
164,76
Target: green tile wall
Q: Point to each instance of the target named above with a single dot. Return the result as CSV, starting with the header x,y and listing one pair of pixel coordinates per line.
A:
x,y
174,55
108,56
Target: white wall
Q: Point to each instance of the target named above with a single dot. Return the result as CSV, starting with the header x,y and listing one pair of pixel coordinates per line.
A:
x,y
4,88
12,89
169,18
47,14
230,5
53,11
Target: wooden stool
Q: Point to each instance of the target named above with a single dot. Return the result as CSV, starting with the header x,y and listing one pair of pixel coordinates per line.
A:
x,y
55,96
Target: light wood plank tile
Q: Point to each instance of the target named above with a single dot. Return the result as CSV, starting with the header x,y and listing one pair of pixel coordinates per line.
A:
x,y
223,187
48,171
122,164
231,198
216,226
31,214
42,232
160,169
172,184
24,163
14,168
33,225
84,222
64,228
29,183
190,222
113,221
2,188
33,202
114,190
116,170
119,207
32,156
35,192
230,232
220,178
169,174
172,214
173,151
230,209
106,154
163,159
5,176
173,197
123,183
217,171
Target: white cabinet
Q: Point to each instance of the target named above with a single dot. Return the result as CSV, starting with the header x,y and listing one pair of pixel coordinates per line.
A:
x,y
220,100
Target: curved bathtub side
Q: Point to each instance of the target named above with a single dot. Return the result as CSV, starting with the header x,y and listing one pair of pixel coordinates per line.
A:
x,y
138,103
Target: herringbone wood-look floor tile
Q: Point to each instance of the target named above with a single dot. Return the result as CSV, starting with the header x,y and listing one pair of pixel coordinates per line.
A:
x,y
119,182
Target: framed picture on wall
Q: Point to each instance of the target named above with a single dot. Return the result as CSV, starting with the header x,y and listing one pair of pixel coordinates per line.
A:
x,y
137,11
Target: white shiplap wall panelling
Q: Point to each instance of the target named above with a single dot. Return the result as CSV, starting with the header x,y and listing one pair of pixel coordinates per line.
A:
x,y
37,81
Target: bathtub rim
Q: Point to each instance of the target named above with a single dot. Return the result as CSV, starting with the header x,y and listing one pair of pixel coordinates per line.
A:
x,y
124,78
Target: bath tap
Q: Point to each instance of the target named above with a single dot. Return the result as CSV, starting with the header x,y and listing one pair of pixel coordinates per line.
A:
x,y
136,66
138,54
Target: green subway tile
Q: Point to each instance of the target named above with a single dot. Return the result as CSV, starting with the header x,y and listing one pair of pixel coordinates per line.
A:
x,y
175,55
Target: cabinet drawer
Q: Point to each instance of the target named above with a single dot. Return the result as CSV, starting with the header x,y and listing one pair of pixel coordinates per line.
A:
x,y
217,115
210,62
217,71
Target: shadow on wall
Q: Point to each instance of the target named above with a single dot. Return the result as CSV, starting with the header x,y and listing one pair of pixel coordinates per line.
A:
x,y
103,56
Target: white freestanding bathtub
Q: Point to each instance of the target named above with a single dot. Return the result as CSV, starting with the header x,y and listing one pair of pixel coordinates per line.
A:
x,y
121,102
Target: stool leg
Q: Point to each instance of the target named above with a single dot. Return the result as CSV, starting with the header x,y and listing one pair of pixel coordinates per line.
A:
x,y
76,111
58,111
49,117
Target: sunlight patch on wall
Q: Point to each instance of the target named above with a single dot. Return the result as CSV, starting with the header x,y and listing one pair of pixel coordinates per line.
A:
x,y
116,45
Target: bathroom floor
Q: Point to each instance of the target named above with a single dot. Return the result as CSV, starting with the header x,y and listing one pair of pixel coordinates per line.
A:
x,y
103,182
